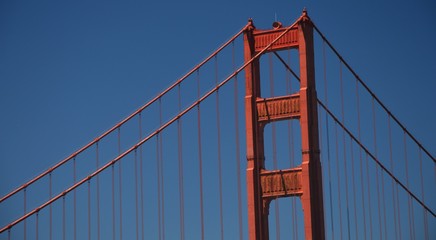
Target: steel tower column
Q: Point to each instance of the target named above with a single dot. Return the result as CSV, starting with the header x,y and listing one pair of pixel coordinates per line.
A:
x,y
305,181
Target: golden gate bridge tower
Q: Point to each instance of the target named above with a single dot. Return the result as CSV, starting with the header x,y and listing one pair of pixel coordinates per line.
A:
x,y
140,177
304,181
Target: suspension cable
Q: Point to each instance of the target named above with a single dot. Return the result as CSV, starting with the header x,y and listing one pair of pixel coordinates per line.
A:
x,y
161,128
371,92
62,162
376,160
359,142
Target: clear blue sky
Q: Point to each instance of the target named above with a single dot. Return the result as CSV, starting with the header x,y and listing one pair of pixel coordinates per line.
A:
x,y
71,70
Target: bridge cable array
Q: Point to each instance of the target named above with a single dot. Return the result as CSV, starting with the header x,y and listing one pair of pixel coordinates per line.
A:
x,y
381,170
132,149
380,175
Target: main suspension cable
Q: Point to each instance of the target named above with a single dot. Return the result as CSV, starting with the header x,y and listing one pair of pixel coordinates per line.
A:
x,y
161,128
360,143
371,92
376,160
115,127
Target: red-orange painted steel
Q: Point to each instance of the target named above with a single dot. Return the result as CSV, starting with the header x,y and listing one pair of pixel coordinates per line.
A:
x,y
300,36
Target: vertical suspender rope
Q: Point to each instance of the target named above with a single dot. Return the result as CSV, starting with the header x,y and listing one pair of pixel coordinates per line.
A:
x,y
113,201
393,182
398,211
162,172
159,174
353,182
180,160
64,229
220,181
74,201
328,142
141,169
50,207
409,210
339,180
338,172
394,185
321,147
25,210
369,195
238,161
291,149
36,226
352,167
237,142
200,160
120,184
384,204
344,149
274,145
98,190
354,191
376,169
294,200
159,215
360,160
89,209
422,194
136,195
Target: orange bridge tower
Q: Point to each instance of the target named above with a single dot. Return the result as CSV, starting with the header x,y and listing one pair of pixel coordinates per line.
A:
x,y
304,181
